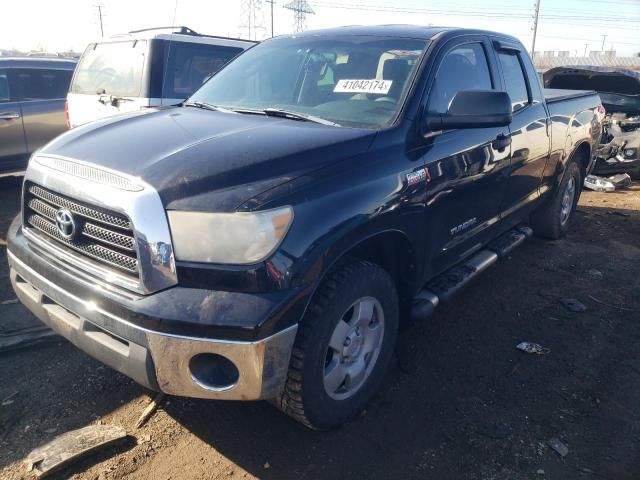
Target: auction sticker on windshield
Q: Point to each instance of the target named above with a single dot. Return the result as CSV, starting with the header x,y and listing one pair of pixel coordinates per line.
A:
x,y
363,86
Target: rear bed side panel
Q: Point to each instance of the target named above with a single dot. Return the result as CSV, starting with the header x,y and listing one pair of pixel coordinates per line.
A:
x,y
574,121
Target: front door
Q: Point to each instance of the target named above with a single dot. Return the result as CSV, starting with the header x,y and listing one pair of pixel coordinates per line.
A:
x,y
529,131
467,169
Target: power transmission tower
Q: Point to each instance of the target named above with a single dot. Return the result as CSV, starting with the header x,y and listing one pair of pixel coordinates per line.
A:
x,y
251,20
535,26
301,9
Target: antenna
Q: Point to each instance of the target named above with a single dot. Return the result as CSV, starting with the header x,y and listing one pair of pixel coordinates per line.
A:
x,y
251,20
300,10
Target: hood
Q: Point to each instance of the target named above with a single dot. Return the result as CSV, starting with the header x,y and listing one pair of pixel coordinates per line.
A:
x,y
205,160
600,79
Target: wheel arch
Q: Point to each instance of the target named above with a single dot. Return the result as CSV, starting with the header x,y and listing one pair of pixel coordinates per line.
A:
x,y
390,249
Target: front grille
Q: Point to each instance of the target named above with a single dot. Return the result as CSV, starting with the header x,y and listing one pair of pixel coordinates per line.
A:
x,y
104,236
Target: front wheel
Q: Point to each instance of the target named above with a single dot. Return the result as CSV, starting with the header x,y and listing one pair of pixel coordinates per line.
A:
x,y
552,220
343,346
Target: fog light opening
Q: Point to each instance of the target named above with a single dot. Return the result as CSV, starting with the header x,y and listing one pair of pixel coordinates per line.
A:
x,y
213,372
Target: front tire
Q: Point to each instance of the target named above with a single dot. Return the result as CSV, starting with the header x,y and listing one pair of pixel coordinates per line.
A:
x,y
343,346
552,220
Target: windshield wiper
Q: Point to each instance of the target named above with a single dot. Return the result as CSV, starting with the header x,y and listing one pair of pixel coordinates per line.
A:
x,y
279,112
207,106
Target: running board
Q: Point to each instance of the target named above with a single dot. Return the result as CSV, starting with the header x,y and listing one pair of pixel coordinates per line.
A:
x,y
507,242
447,285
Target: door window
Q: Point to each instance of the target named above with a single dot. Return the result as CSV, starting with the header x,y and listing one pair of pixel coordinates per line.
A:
x,y
190,65
4,86
41,84
514,80
464,67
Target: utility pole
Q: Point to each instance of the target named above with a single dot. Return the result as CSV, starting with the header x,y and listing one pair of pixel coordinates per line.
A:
x,y
604,37
586,45
99,7
271,2
535,27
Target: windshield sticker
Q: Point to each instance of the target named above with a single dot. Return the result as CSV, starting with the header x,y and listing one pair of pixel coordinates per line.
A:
x,y
363,86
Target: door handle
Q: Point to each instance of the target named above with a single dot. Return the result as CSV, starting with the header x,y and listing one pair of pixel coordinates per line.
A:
x,y
501,142
9,115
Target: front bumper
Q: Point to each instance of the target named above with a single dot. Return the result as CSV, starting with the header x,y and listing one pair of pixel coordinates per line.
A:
x,y
626,165
157,360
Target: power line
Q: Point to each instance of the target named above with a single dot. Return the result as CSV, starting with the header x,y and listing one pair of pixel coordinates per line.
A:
x,y
502,13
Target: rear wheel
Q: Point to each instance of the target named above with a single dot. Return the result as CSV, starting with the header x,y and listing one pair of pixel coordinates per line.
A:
x,y
552,220
343,346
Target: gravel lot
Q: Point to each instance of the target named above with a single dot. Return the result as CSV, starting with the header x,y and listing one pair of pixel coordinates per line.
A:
x,y
460,402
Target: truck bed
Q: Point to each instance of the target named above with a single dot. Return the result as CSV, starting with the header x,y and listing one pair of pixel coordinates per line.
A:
x,y
556,95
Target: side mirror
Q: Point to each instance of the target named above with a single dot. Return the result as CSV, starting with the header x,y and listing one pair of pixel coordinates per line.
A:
x,y
474,109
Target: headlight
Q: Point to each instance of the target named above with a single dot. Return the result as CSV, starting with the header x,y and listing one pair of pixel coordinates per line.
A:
x,y
236,238
629,152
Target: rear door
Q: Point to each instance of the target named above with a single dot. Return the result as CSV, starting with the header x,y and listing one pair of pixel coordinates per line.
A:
x,y
466,169
530,131
13,148
42,93
110,78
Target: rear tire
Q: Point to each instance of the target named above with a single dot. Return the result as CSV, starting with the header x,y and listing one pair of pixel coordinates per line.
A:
x,y
343,346
553,219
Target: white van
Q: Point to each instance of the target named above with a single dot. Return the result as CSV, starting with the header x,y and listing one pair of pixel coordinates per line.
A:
x,y
145,68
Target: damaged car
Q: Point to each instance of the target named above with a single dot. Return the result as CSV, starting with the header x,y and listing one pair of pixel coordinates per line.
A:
x,y
619,90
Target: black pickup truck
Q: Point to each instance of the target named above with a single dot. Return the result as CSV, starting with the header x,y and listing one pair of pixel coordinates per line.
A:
x,y
267,238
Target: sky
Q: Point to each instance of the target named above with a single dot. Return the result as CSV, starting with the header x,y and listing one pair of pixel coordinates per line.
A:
x,y
573,25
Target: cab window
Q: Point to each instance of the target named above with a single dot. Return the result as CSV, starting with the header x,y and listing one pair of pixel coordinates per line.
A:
x,y
464,67
514,79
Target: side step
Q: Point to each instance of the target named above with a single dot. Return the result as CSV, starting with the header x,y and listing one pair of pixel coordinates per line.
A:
x,y
507,242
447,285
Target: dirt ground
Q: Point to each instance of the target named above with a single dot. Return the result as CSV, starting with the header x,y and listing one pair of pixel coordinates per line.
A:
x,y
460,402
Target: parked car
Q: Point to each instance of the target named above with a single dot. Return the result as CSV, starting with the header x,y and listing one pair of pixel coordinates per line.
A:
x,y
32,93
145,68
265,239
619,89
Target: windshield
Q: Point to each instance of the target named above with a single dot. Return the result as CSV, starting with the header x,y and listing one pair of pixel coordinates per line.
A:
x,y
626,101
111,68
353,81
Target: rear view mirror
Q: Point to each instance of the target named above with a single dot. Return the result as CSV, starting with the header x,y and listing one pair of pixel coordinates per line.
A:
x,y
474,109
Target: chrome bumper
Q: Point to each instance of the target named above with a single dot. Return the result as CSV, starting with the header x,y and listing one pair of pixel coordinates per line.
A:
x,y
156,360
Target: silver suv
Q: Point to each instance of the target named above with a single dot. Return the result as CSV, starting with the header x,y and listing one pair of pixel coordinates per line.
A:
x,y
145,68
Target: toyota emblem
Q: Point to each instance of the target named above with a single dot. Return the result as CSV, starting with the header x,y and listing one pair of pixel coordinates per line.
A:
x,y
65,223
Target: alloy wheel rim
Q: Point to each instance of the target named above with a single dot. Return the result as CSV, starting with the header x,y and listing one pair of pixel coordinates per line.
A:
x,y
567,200
354,348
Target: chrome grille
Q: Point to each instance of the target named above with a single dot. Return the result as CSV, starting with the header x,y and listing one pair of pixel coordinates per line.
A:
x,y
106,237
